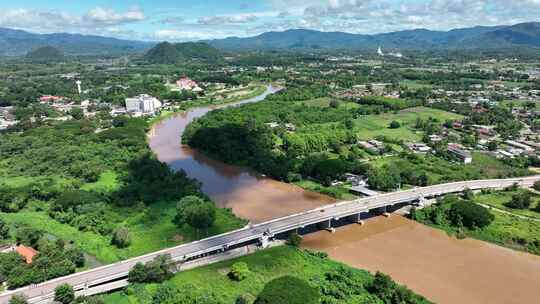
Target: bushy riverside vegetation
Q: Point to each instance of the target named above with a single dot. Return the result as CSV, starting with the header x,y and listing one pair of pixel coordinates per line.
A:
x,y
299,134
101,193
274,275
467,217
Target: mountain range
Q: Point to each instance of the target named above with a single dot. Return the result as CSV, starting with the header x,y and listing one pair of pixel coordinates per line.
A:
x,y
17,42
480,37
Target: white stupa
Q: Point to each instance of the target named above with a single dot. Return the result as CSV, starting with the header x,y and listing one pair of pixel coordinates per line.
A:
x,y
78,82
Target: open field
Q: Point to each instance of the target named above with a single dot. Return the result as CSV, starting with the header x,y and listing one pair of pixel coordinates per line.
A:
x,y
371,126
500,198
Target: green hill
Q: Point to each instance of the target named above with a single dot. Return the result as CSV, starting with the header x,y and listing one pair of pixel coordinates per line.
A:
x,y
45,54
167,53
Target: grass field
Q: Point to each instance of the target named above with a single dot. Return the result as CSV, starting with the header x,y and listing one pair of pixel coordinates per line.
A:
x,y
151,229
498,200
439,170
505,230
339,192
264,266
371,126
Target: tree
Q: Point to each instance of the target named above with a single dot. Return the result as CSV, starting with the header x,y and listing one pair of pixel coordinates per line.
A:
x,y
239,271
155,271
391,293
521,200
28,236
294,239
64,294
77,113
536,186
121,237
18,299
395,124
137,274
4,230
470,215
334,103
290,290
195,212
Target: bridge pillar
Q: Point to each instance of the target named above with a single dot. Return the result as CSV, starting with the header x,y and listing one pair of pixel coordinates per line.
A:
x,y
264,241
356,218
326,225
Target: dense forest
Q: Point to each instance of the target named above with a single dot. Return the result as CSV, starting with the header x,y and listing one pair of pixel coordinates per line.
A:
x,y
82,178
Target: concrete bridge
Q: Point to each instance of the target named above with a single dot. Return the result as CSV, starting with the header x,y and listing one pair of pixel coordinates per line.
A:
x,y
114,276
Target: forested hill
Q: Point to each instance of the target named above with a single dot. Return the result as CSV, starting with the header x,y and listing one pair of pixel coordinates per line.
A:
x,y
168,53
45,54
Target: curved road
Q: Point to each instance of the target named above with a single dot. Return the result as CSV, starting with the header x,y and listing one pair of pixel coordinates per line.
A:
x,y
43,292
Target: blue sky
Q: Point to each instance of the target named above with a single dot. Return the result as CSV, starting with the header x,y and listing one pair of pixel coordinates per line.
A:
x,y
181,20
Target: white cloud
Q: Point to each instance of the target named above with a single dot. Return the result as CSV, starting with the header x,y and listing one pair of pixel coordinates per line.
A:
x,y
53,21
217,20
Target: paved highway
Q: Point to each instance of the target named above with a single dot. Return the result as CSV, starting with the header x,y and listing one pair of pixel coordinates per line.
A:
x,y
43,292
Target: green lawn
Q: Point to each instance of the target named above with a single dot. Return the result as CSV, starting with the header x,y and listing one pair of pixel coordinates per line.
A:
x,y
264,266
499,198
371,126
107,182
339,192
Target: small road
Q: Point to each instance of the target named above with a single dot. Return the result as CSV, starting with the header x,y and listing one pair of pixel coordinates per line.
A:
x,y
107,275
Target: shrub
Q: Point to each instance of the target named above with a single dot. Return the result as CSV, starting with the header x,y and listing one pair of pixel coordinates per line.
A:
x,y
121,237
521,200
64,294
239,271
155,271
470,215
395,125
18,299
536,186
294,239
288,290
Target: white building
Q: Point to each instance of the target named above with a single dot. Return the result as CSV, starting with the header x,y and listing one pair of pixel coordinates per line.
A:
x,y
143,104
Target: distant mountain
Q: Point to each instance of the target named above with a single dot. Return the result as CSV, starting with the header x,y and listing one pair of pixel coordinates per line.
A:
x,y
45,54
168,53
480,37
17,43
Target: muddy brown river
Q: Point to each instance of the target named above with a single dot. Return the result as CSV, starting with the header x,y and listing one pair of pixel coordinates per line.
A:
x,y
442,268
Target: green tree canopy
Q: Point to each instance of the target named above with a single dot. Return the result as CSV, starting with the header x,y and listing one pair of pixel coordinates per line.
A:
x,y
290,290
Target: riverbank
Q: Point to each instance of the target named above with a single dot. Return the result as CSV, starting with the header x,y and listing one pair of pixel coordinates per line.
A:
x,y
333,280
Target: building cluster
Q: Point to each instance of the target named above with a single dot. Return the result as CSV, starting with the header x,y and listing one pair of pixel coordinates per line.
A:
x,y
7,119
372,89
142,105
373,146
187,84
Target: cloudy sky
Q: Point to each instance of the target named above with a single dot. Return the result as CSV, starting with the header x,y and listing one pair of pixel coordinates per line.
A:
x,y
183,20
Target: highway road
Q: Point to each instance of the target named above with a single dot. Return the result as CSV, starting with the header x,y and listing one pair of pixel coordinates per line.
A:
x,y
43,292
